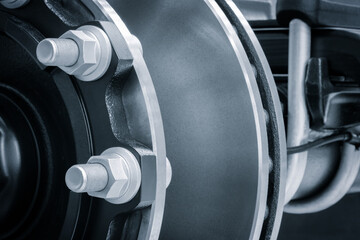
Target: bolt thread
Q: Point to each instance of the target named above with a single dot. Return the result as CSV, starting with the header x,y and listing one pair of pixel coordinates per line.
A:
x,y
57,52
86,178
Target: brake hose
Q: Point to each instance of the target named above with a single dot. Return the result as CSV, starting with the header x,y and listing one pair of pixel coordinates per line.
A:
x,y
338,137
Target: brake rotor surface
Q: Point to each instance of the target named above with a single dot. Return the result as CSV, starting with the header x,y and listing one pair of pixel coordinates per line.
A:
x,y
272,106
213,118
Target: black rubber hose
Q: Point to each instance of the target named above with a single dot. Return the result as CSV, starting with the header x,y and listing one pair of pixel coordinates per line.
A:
x,y
339,137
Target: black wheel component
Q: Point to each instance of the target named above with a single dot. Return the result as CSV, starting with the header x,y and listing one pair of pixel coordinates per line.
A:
x,y
37,147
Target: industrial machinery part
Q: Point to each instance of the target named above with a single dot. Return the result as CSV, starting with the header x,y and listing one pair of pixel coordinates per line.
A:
x,y
114,176
166,119
298,119
84,53
258,10
335,13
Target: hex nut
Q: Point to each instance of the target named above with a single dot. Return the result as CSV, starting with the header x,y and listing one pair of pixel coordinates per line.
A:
x,y
124,175
95,53
118,176
89,52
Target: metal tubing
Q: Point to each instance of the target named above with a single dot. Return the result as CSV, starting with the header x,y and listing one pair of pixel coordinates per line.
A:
x,y
337,188
298,120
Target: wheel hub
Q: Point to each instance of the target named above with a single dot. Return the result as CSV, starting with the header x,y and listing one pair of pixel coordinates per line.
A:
x,y
19,166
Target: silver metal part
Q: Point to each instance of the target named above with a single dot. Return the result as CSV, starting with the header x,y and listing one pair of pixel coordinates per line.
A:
x,y
255,10
273,116
336,189
260,122
84,53
124,175
151,226
298,119
168,173
114,176
57,52
86,178
12,4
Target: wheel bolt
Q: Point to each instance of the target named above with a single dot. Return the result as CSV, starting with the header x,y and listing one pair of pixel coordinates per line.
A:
x,y
86,178
84,53
57,52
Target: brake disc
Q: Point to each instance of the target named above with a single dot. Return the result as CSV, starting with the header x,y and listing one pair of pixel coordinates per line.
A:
x,y
202,82
213,116
275,126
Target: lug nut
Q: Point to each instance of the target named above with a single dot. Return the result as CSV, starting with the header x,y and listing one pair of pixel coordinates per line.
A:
x,y
114,176
84,53
12,4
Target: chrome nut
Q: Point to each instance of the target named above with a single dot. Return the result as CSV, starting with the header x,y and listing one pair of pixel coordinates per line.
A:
x,y
95,53
89,52
124,175
118,173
